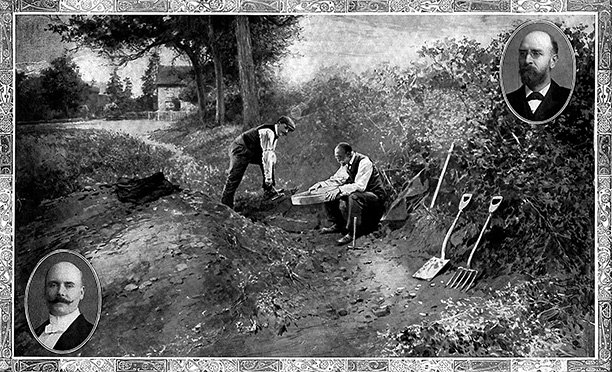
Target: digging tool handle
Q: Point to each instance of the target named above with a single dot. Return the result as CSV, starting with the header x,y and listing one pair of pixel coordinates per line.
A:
x,y
495,201
433,200
465,200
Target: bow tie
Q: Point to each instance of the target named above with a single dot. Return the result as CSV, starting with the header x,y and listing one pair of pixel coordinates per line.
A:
x,y
535,96
54,328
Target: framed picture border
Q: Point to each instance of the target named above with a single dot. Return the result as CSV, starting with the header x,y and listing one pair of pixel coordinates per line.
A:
x,y
603,176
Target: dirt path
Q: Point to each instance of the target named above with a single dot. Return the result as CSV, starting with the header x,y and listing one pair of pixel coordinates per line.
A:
x,y
186,276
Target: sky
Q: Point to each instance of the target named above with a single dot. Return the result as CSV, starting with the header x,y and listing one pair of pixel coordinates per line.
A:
x,y
363,41
357,41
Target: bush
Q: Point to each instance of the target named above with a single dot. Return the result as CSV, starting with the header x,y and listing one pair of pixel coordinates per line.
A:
x,y
545,225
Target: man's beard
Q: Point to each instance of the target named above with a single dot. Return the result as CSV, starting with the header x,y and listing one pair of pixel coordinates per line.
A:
x,y
531,77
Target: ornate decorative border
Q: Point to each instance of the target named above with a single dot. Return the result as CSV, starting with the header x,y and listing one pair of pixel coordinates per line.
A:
x,y
604,175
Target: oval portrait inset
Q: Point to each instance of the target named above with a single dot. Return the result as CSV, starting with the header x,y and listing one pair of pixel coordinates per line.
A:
x,y
63,301
538,72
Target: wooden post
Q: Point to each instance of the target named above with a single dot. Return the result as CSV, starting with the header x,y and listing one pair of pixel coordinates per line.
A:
x,y
354,230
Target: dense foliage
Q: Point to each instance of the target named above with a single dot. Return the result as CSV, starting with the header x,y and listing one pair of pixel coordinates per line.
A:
x,y
204,40
58,92
544,172
545,226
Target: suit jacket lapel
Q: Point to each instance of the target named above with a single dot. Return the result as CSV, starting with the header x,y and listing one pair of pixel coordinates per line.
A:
x,y
525,109
72,334
547,103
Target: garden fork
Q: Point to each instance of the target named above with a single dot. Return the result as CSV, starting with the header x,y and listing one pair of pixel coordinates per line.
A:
x,y
464,276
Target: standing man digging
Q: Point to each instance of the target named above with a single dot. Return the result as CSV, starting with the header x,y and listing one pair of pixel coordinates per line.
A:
x,y
360,189
255,146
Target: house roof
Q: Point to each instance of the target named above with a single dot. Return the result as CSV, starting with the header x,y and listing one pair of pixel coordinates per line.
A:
x,y
173,75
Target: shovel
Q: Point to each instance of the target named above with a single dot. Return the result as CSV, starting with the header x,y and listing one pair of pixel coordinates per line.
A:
x,y
464,277
432,267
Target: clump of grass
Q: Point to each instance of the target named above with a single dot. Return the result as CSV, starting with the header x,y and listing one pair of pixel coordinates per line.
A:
x,y
532,319
50,164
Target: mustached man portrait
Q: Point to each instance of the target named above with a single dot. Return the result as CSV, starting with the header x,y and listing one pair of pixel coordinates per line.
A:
x,y
538,72
63,301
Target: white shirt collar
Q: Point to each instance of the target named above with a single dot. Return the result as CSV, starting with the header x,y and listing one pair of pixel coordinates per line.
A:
x,y
352,158
63,321
542,91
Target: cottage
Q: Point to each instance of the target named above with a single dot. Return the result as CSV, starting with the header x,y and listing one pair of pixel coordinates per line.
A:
x,y
170,81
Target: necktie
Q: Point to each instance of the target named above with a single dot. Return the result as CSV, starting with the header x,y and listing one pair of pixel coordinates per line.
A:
x,y
53,328
535,96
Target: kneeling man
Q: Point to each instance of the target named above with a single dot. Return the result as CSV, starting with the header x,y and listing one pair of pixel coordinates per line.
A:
x,y
360,190
66,328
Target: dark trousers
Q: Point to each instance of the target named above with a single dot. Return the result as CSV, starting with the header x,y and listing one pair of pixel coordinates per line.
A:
x,y
366,206
240,158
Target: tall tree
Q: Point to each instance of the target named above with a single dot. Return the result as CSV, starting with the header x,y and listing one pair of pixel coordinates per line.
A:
x,y
62,85
218,65
149,87
114,88
126,96
246,67
130,37
30,103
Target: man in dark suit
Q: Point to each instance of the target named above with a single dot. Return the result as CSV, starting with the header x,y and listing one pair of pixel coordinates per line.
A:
x,y
539,98
66,327
360,188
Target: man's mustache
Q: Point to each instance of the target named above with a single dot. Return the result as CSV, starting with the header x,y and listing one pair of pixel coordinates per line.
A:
x,y
58,300
527,69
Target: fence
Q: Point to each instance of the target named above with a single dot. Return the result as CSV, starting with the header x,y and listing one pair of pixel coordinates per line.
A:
x,y
166,115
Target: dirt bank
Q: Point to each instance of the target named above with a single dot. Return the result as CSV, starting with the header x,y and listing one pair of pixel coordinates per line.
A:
x,y
187,276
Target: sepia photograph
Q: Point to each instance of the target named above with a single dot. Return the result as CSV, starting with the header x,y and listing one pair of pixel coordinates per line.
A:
x,y
311,186
532,64
63,301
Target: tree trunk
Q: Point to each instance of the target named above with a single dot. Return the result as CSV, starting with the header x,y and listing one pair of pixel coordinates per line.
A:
x,y
246,67
220,98
197,70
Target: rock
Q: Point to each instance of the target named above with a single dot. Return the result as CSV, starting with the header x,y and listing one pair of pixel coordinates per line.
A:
x,y
130,287
145,284
423,314
181,267
412,294
382,311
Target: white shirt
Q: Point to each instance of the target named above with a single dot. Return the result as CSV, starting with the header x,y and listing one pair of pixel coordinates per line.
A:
x,y
56,328
267,140
535,103
364,172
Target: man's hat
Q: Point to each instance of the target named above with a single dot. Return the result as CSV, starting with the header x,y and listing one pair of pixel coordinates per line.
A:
x,y
286,120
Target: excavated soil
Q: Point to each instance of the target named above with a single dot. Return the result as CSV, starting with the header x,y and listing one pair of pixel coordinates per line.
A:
x,y
187,276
